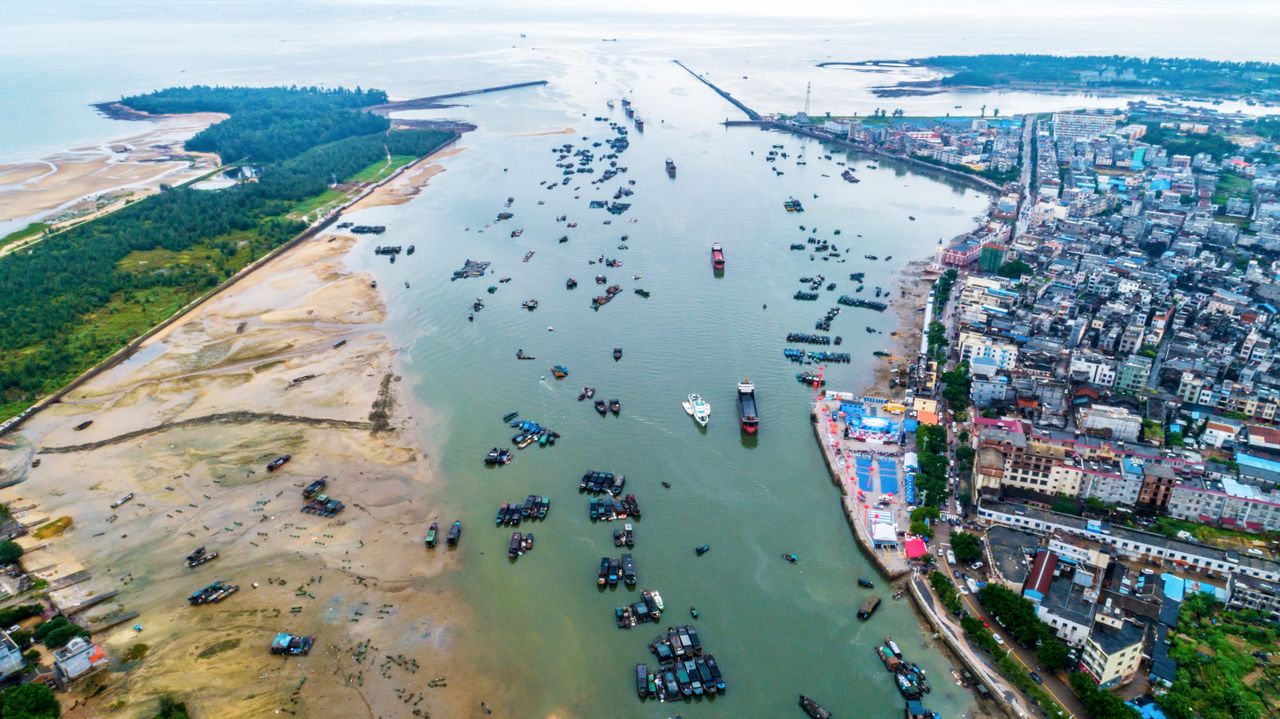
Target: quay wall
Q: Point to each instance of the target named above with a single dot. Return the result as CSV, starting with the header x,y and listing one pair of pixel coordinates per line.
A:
x,y
850,508
963,654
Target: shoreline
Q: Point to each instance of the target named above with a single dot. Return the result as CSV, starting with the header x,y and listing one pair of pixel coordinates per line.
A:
x,y
268,345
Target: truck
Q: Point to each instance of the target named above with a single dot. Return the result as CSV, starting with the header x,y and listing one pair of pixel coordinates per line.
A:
x,y
951,558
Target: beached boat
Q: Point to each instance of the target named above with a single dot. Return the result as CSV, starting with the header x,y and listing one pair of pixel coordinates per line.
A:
x,y
455,534
278,462
701,409
431,535
717,256
750,419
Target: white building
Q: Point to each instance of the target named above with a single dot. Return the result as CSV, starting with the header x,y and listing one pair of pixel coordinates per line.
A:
x,y
972,344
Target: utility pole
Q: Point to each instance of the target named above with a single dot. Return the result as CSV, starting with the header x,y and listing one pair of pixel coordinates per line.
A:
x,y
807,87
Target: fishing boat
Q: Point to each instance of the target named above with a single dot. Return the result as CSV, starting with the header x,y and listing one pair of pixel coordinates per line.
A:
x,y
455,533
528,255
615,406
570,284
517,541
701,409
498,457
431,535
790,557
864,582
688,406
747,406
717,256
693,612
520,355
559,372
530,305
868,608
601,407
510,416
617,353
813,709
671,168
702,549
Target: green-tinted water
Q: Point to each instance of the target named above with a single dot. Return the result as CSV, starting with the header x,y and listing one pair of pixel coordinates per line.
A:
x,y
541,628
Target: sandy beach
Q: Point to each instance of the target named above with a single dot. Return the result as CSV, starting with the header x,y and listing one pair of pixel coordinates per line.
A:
x,y
187,425
409,182
913,293
84,180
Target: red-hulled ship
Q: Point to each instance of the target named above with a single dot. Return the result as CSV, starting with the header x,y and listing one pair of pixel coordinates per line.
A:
x,y
717,256
747,406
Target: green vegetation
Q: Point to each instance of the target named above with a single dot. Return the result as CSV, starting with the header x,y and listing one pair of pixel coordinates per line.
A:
x,y
942,289
921,517
1219,675
937,339
1231,185
1206,77
10,552
1182,144
946,591
35,229
83,293
956,391
171,708
1016,614
1100,704
136,652
1013,269
1153,431
379,171
1009,667
268,124
56,632
967,547
931,450
12,615
29,701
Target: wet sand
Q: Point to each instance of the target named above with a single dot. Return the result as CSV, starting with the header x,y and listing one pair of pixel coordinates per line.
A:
x,y
137,165
187,425
409,183
906,344
545,133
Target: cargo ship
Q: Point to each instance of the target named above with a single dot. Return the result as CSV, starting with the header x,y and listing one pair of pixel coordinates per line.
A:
x,y
717,256
747,406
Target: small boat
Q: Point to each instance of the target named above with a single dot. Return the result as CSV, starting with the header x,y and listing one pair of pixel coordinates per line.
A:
x,y
864,582
791,558
570,284
455,533
717,256
693,612
688,407
506,418
278,462
530,305
120,502
528,255
617,353
601,407
750,420
702,549
517,541
868,608
498,457
520,355
813,709
83,425
701,409
559,372
666,485
671,168
431,535
615,406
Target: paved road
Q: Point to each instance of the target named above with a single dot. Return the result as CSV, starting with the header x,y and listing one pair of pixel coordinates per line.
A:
x,y
1027,657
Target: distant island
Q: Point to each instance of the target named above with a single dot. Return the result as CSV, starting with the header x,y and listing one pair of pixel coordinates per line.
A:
x,y
1258,81
297,155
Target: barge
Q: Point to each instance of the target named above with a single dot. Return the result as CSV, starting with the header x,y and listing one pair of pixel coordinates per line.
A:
x,y
750,419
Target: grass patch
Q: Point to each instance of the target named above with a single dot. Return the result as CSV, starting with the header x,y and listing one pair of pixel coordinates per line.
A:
x,y
32,230
53,529
219,647
379,171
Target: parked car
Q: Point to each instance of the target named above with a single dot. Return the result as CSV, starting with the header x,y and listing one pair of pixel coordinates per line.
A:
x,y
998,639
1036,678
976,566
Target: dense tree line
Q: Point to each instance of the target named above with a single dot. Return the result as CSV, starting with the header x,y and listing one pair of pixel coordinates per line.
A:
x,y
46,292
268,123
1136,73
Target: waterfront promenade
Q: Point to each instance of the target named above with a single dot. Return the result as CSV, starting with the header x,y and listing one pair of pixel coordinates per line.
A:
x,y
840,454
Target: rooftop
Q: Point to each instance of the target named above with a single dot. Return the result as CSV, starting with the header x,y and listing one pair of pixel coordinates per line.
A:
x,y
1112,640
1067,599
1009,550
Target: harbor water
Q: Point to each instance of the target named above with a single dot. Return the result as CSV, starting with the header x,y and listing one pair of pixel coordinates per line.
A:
x,y
539,627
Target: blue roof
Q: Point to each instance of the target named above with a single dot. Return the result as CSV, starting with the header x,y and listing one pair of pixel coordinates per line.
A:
x,y
1249,460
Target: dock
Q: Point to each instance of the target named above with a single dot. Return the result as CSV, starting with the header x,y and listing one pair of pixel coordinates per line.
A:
x,y
438,101
752,114
844,457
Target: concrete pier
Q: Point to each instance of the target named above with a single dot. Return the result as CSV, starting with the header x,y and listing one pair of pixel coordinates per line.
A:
x,y
733,100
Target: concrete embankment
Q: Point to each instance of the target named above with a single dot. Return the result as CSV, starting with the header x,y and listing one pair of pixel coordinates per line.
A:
x,y
437,101
995,689
884,563
722,93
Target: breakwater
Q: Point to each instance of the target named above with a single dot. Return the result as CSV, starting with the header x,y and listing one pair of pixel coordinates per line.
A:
x,y
722,93
434,102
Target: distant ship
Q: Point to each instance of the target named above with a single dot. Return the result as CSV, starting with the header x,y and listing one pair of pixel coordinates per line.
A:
x,y
747,406
671,168
717,256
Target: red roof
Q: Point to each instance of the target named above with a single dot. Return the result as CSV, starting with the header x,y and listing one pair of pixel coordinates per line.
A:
x,y
916,548
1041,575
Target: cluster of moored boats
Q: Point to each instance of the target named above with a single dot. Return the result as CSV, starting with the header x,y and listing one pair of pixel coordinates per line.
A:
x,y
800,356
607,509
530,432
512,513
470,268
614,570
792,205
319,503
213,593
808,339
648,609
908,676
859,302
601,482
684,671
520,543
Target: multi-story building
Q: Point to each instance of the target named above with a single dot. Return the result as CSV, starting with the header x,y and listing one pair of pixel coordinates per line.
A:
x,y
1114,422
1112,651
973,344
1133,375
1226,502
1075,126
1092,368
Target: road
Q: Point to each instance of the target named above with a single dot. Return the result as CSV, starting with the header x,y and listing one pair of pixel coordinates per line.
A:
x,y
1028,136
1026,657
